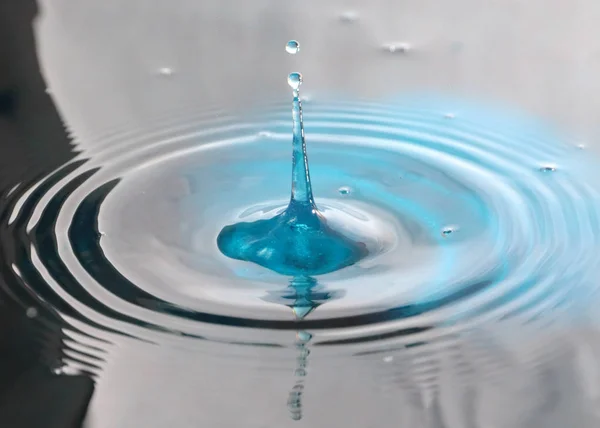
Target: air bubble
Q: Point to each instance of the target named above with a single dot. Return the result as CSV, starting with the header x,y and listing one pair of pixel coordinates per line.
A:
x,y
292,47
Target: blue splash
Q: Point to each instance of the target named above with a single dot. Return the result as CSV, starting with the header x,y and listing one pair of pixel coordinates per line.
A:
x,y
298,241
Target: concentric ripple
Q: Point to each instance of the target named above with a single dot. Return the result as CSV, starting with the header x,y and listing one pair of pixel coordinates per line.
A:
x,y
469,218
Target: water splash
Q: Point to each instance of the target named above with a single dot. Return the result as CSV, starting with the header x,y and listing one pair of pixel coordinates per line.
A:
x,y
297,242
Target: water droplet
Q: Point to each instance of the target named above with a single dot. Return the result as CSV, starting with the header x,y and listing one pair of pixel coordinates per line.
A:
x,y
295,80
265,134
449,230
349,16
402,47
292,47
388,359
345,190
31,312
449,116
581,146
165,71
548,168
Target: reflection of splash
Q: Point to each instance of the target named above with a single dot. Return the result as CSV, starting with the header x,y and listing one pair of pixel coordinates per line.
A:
x,y
303,295
295,397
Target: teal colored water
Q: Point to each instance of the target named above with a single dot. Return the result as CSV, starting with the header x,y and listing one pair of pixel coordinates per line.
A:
x,y
297,241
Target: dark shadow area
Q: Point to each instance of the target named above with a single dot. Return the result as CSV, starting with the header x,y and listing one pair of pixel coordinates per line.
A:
x,y
33,142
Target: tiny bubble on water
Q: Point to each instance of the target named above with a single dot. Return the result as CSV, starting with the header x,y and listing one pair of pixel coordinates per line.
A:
x,y
295,80
548,168
349,16
397,47
344,190
292,47
165,71
449,230
31,312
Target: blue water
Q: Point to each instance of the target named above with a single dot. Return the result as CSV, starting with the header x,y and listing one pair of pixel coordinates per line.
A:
x,y
298,241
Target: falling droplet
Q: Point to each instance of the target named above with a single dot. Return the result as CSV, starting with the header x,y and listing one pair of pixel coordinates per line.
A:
x,y
295,80
548,168
349,17
402,47
31,312
344,190
292,47
165,71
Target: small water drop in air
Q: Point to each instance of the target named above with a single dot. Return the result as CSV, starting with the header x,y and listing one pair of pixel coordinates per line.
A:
x,y
449,116
295,80
388,359
31,312
548,168
292,47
